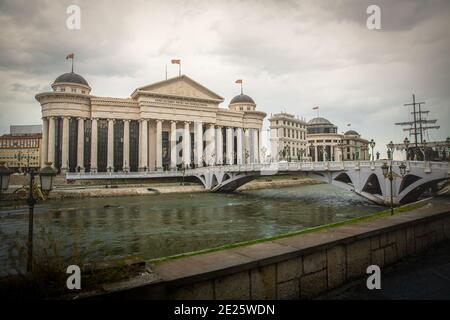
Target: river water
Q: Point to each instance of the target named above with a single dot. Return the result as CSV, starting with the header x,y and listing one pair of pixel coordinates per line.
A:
x,y
167,224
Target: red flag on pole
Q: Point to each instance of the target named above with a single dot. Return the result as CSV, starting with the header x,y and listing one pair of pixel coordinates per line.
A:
x,y
178,62
71,56
239,81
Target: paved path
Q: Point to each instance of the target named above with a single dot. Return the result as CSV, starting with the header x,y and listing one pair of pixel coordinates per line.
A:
x,y
423,276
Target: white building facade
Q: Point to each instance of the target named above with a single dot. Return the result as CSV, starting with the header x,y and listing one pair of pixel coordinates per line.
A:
x,y
287,137
326,144
167,125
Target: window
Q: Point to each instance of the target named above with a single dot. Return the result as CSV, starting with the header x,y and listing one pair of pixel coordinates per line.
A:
x,y
83,92
74,90
63,89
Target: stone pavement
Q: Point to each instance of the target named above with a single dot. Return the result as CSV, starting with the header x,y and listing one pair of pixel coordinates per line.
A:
x,y
422,276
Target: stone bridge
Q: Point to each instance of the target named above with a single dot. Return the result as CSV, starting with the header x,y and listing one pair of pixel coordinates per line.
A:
x,y
365,178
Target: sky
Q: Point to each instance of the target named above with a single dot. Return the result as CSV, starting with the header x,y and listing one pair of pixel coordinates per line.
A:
x,y
291,55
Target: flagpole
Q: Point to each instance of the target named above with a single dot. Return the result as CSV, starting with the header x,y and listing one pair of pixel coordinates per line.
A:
x,y
242,91
72,63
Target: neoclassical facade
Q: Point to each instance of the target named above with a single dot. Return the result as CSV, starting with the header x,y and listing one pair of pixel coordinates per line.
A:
x,y
287,137
326,144
167,125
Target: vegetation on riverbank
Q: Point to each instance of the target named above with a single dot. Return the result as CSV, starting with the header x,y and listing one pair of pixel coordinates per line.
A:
x,y
48,277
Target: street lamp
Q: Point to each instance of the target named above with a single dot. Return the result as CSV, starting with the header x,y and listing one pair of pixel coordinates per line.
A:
x,y
372,145
4,178
311,150
447,144
388,173
425,153
46,176
390,147
341,146
406,143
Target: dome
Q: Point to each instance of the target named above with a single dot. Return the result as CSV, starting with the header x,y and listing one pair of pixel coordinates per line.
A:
x,y
351,133
242,98
318,120
71,77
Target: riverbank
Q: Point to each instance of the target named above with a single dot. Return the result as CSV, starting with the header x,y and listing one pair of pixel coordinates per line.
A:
x,y
69,191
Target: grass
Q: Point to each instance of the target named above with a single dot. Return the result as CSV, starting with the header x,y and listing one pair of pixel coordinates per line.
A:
x,y
374,216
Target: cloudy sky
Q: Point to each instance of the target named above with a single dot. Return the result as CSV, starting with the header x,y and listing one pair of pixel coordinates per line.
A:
x,y
292,55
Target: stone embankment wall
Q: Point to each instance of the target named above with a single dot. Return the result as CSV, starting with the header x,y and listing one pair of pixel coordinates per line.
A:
x,y
295,267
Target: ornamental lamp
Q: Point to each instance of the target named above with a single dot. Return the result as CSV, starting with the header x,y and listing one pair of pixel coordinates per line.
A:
x,y
46,176
385,169
4,176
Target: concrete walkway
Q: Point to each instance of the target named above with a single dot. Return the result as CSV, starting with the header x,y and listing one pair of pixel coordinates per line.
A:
x,y
422,276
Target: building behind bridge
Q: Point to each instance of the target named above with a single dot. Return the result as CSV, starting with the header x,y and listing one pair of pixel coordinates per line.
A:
x,y
318,140
166,125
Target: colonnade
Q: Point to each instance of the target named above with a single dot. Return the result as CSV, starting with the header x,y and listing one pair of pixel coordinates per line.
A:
x,y
208,144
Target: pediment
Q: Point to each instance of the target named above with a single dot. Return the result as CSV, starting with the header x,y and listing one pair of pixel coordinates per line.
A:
x,y
181,87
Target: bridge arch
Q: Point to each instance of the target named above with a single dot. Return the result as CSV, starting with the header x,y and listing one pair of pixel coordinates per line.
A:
x,y
214,181
344,178
408,180
372,185
417,189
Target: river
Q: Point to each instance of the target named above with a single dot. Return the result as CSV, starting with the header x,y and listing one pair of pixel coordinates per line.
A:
x,y
167,224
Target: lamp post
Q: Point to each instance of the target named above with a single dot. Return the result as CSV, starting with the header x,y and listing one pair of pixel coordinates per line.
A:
x,y
388,173
406,143
425,153
390,147
341,146
46,176
372,145
320,151
447,144
4,178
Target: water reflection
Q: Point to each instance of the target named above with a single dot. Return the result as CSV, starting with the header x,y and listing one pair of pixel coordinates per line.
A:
x,y
156,226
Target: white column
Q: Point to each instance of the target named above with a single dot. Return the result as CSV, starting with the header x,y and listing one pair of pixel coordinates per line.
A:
x,y
210,153
65,146
219,146
186,145
143,145
126,145
239,145
255,146
173,145
316,154
198,138
94,130
80,145
331,152
159,166
246,146
110,159
229,146
44,146
260,146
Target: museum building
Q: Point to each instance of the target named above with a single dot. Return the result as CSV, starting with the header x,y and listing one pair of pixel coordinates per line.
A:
x,y
167,125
